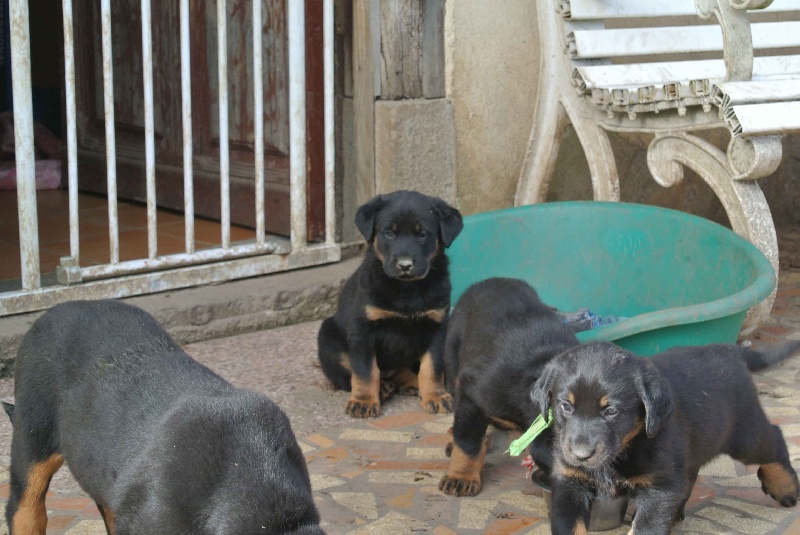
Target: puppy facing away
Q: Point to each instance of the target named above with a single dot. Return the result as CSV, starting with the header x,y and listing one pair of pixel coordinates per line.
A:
x,y
500,338
645,427
160,442
392,315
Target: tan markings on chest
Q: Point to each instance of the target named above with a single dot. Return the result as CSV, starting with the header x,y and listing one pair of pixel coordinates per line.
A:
x,y
374,313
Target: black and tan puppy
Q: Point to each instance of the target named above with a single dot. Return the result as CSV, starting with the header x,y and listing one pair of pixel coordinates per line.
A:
x,y
645,427
500,338
392,315
161,443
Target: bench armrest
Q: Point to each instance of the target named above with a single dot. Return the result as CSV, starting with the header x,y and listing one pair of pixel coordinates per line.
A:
x,y
736,35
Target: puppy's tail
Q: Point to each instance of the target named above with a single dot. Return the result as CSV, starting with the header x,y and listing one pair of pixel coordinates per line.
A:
x,y
759,360
9,408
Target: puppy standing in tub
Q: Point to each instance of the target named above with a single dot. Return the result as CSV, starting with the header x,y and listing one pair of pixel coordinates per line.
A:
x,y
645,426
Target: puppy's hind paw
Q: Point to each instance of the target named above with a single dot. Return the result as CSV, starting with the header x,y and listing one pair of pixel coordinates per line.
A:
x,y
454,486
438,403
363,409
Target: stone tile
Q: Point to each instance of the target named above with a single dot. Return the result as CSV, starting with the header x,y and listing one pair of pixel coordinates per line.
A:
x,y
437,427
509,526
767,513
72,504
321,440
59,521
426,453
409,465
362,503
442,530
474,513
404,500
543,528
737,521
693,524
526,502
88,527
438,440
404,419
406,478
750,480
393,522
722,466
793,528
334,455
376,436
324,481
305,448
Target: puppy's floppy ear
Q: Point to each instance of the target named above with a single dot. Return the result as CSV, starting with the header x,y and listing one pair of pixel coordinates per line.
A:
x,y
365,216
450,222
540,393
656,395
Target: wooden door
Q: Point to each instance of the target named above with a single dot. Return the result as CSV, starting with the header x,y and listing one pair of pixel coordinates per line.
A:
x,y
129,107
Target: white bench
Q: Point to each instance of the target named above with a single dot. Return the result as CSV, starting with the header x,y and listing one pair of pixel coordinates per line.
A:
x,y
595,77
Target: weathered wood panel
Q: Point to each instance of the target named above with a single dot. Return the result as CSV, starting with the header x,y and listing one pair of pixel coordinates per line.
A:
x,y
366,86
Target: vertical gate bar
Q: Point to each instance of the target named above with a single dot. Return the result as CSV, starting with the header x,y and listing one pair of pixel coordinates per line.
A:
x,y
23,144
111,147
186,104
224,165
149,129
258,121
297,122
327,50
72,136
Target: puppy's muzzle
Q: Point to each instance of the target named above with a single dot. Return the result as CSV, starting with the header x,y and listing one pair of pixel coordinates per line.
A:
x,y
584,450
404,265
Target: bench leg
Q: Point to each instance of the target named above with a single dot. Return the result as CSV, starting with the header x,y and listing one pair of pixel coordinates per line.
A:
x,y
557,101
740,195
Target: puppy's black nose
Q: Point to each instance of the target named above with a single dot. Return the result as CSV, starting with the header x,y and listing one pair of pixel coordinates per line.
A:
x,y
405,264
582,451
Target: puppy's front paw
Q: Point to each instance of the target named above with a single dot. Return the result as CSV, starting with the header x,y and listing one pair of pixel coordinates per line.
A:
x,y
363,409
436,403
455,486
780,483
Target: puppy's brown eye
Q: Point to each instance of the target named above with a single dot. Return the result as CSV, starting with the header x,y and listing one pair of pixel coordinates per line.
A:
x,y
388,234
566,407
422,234
610,411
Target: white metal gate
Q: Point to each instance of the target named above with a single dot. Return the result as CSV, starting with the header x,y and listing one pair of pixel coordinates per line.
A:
x,y
165,272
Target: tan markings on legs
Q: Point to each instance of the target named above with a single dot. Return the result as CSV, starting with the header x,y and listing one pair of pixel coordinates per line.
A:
x,y
406,381
364,395
463,476
31,515
779,483
580,528
431,388
344,361
108,518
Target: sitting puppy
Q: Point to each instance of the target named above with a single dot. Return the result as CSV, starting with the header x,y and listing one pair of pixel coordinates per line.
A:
x,y
392,314
499,340
645,427
161,443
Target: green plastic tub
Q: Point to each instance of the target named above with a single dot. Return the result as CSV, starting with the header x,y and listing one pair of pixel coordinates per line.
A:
x,y
678,278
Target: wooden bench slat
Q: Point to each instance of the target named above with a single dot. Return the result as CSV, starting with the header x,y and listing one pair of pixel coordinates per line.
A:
x,y
591,44
624,9
649,74
750,120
